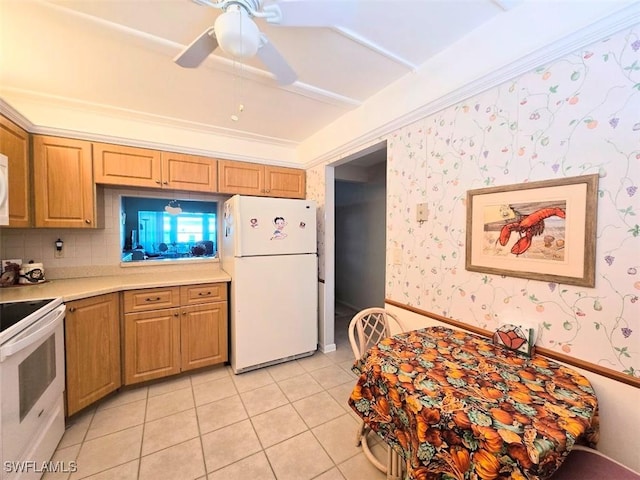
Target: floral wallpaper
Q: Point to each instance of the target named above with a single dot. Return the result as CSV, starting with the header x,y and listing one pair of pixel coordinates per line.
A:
x,y
576,115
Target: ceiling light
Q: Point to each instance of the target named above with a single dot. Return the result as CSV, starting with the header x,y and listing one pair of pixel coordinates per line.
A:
x,y
237,34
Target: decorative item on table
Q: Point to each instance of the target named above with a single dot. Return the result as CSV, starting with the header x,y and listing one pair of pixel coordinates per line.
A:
x,y
519,338
10,271
31,273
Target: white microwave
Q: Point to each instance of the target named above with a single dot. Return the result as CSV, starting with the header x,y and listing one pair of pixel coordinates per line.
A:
x,y
4,190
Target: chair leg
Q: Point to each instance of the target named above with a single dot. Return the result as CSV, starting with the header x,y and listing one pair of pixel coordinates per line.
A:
x,y
394,465
370,456
361,432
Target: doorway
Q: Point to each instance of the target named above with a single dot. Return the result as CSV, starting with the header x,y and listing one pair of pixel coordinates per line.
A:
x,y
360,236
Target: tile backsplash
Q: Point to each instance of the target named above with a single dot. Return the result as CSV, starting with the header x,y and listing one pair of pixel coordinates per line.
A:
x,y
87,253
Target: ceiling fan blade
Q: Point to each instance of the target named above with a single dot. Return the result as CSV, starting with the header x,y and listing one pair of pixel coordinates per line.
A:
x,y
198,50
312,13
275,62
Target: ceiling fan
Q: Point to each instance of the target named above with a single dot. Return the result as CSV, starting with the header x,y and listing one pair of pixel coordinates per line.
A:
x,y
236,33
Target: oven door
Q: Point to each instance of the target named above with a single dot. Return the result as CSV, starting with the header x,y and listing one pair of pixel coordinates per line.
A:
x,y
32,376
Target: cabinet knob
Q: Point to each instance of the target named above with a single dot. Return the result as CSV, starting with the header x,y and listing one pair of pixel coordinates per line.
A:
x,y
176,314
149,299
72,309
204,294
165,183
158,182
87,221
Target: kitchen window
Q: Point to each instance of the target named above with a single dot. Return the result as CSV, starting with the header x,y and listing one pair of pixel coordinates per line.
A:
x,y
160,229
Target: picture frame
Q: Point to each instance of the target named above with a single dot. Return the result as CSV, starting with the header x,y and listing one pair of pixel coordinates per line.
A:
x,y
544,230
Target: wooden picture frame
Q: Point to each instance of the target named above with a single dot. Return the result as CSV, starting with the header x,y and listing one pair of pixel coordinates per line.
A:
x,y
542,230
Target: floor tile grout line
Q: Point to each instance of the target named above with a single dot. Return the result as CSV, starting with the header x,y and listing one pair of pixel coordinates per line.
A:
x,y
333,360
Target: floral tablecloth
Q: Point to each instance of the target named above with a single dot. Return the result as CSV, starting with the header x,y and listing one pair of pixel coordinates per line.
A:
x,y
455,406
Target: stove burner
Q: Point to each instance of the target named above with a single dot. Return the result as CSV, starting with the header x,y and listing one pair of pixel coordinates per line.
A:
x,y
12,313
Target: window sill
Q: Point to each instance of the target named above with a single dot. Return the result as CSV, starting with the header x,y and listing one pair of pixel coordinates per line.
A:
x,y
165,261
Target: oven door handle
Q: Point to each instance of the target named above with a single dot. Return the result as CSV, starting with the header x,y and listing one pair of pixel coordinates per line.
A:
x,y
13,347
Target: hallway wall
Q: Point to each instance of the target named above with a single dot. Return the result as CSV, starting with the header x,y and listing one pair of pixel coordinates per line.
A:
x,y
360,228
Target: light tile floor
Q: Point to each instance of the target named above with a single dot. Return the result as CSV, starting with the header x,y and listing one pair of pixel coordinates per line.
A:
x,y
286,422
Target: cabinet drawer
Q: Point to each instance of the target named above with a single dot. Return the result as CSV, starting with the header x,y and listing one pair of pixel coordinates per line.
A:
x,y
151,299
210,292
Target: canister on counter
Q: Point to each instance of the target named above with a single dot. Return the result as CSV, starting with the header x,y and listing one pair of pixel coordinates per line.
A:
x,y
31,273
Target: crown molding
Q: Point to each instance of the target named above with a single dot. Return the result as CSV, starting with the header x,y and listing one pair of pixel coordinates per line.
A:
x,y
14,115
614,23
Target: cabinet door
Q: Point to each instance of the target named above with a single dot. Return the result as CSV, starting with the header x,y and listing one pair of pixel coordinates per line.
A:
x,y
92,347
203,335
240,178
152,345
128,166
14,143
284,182
63,183
189,172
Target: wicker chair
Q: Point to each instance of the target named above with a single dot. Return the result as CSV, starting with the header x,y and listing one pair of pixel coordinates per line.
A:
x,y
366,329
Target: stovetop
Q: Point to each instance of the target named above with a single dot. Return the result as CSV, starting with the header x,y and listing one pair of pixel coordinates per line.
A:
x,y
14,312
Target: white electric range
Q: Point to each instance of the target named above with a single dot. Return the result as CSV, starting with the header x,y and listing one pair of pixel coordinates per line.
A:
x,y
32,378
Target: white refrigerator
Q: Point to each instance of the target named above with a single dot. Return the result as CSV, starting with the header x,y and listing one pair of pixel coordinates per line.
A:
x,y
269,250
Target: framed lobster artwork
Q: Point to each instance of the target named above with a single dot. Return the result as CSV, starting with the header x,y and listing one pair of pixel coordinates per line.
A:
x,y
543,230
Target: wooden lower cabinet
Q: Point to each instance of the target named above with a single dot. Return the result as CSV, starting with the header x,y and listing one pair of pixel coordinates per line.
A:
x,y
190,333
152,345
203,330
92,347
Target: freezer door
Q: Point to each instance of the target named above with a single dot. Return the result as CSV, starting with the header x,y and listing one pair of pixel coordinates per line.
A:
x,y
274,309
270,226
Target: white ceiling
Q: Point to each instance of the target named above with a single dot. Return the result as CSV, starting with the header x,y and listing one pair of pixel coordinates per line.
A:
x,y
117,55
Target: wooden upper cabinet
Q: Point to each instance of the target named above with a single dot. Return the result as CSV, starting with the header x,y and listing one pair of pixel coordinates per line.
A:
x,y
129,166
65,195
260,180
14,143
284,182
240,178
189,172
141,167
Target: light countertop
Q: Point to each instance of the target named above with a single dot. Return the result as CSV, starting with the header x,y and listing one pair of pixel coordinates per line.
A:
x,y
77,288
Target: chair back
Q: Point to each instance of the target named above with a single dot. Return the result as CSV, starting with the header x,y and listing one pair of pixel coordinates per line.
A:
x,y
368,327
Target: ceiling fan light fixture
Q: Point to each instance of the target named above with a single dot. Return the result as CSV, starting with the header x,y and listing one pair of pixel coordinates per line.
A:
x,y
237,33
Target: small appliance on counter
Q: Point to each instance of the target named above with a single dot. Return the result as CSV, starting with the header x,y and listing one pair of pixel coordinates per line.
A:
x,y
14,272
31,273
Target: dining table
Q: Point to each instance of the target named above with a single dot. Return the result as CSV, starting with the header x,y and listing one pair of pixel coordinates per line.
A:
x,y
454,405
